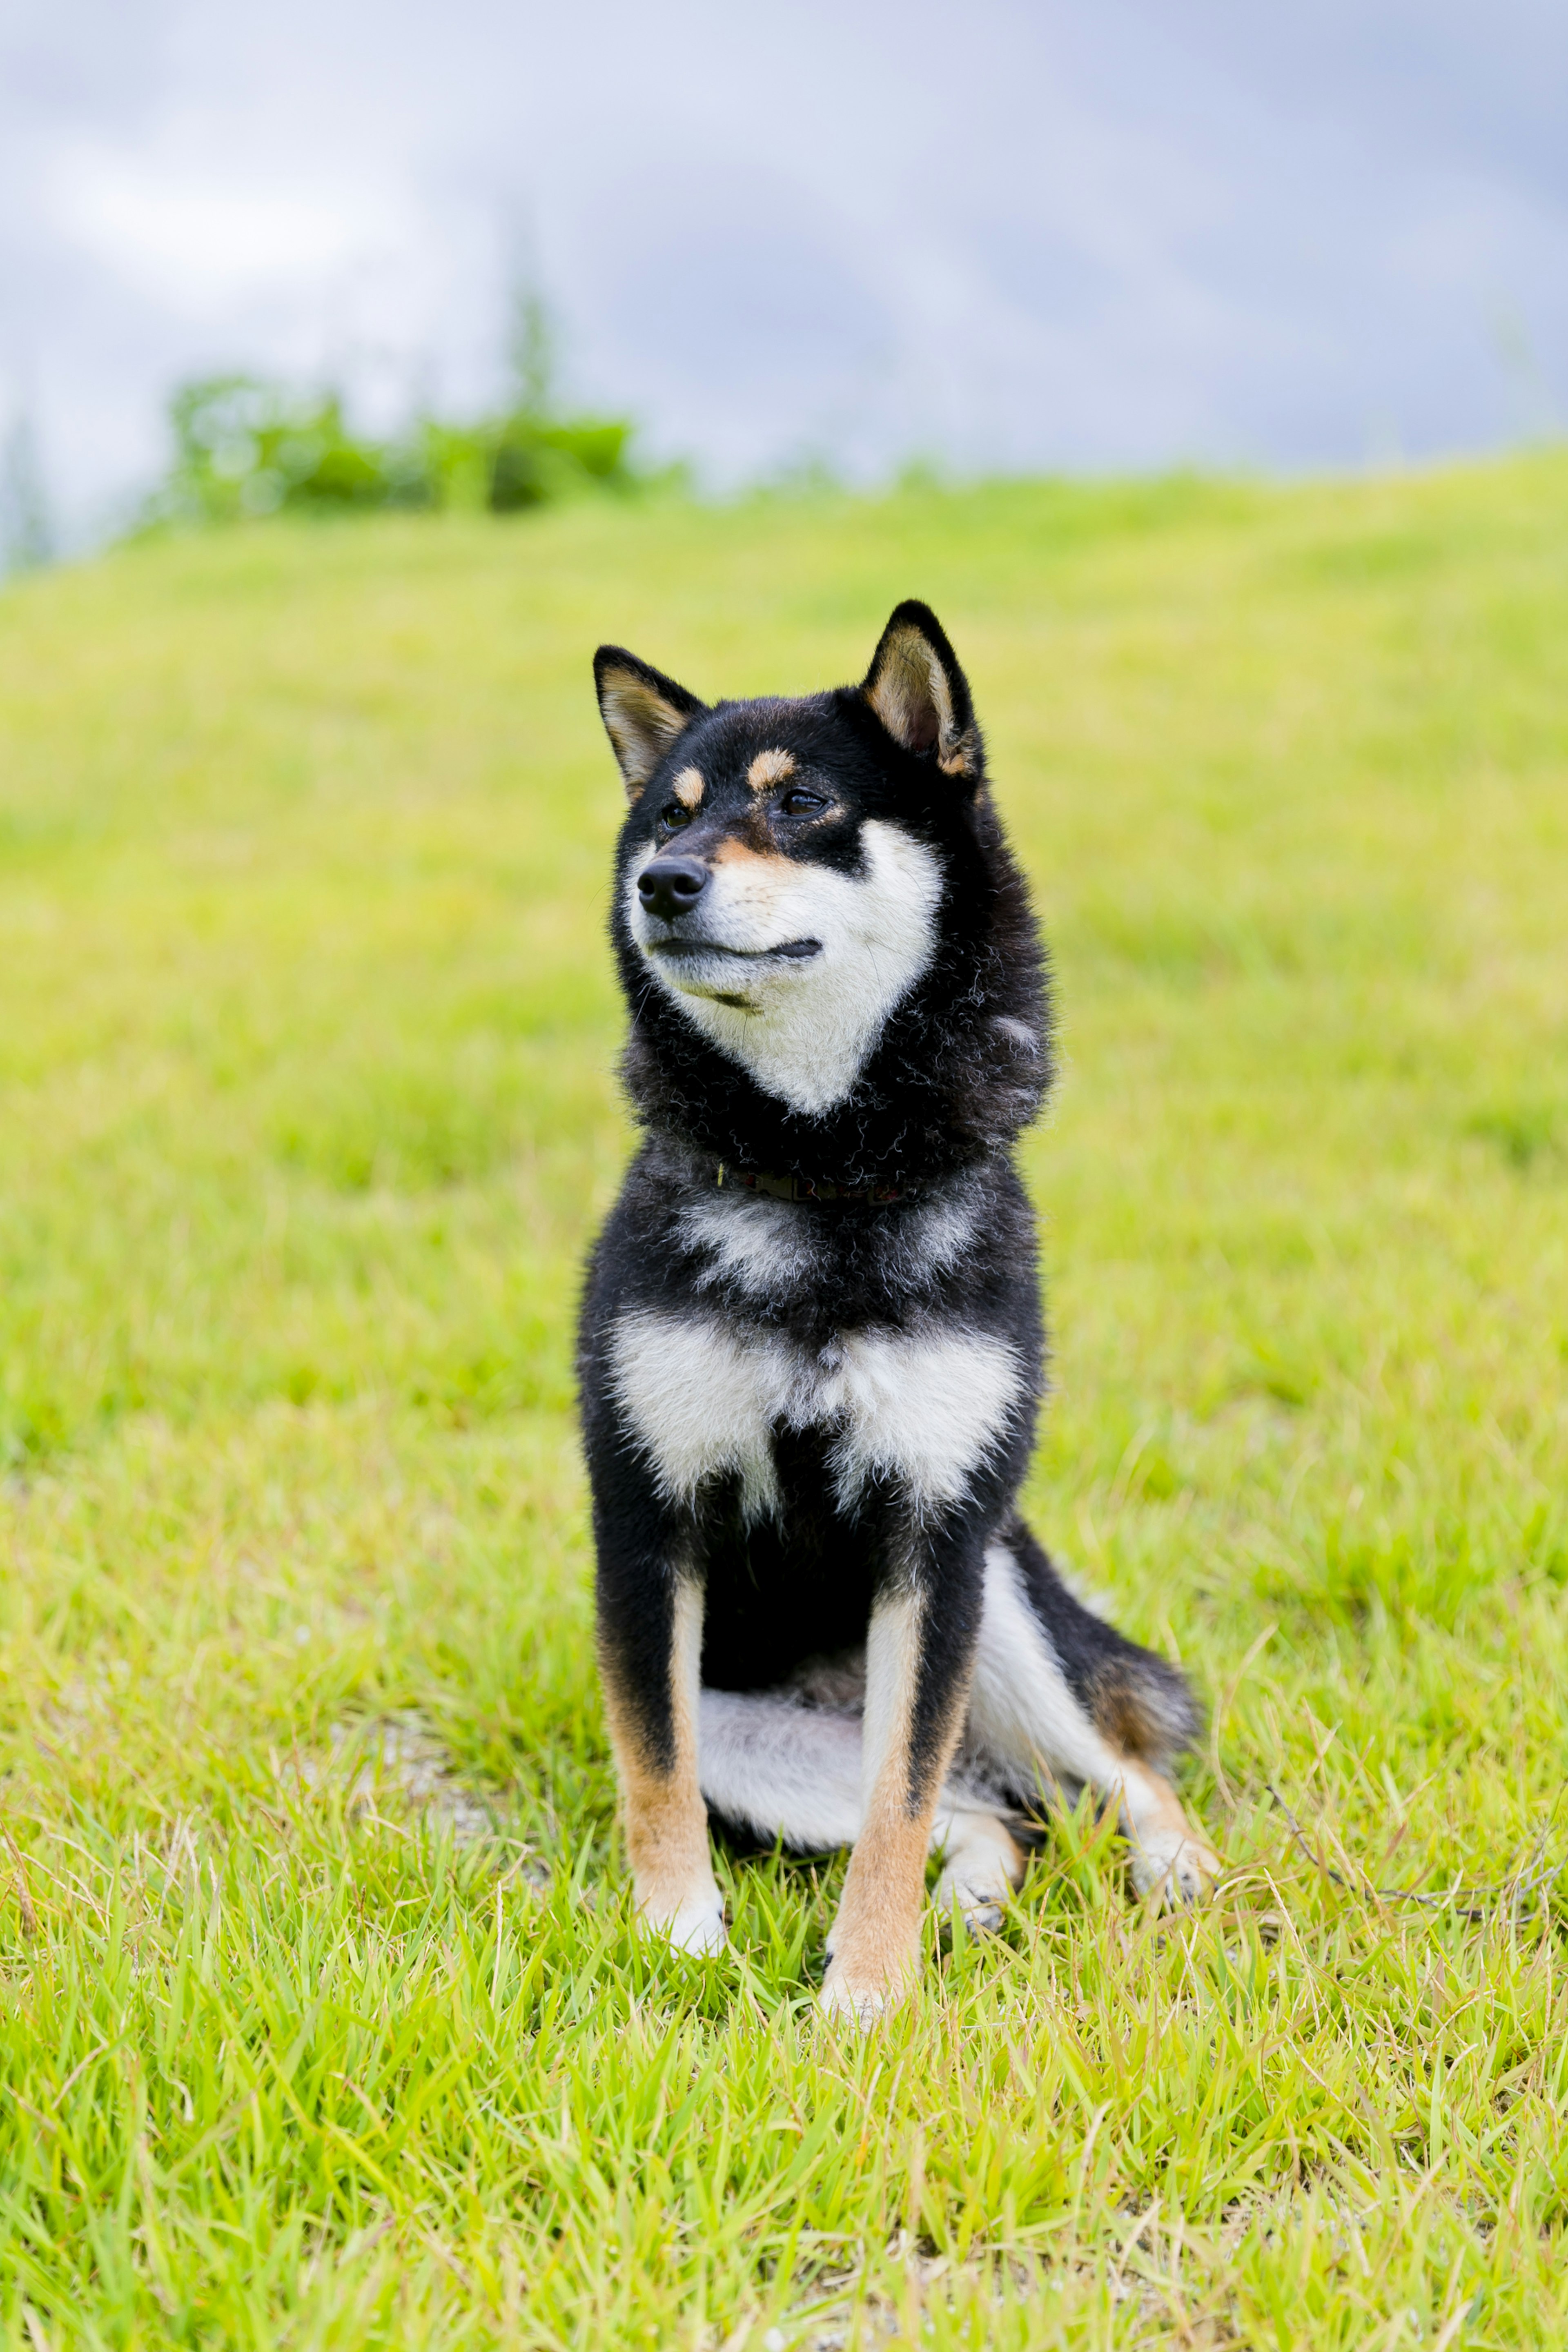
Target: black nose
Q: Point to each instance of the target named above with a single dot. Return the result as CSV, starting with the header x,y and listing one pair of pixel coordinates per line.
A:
x,y
671,885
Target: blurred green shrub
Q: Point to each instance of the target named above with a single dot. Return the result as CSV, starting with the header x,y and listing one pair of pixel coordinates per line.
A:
x,y
246,446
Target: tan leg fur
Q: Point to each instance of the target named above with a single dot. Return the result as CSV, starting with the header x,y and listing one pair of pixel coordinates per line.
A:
x,y
1171,1863
665,1817
875,1943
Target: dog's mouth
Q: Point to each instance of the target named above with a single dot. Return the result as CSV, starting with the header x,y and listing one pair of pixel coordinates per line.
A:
x,y
790,950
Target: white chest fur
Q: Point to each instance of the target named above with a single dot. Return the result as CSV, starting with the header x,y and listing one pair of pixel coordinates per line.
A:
x,y
704,1400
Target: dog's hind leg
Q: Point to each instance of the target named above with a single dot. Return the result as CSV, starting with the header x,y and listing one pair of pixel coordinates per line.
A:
x,y
780,1770
1058,1694
982,1861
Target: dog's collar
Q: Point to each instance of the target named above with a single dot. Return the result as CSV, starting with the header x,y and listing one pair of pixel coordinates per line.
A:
x,y
803,1188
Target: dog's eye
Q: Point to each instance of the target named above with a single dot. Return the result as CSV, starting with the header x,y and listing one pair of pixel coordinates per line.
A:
x,y
674,816
798,801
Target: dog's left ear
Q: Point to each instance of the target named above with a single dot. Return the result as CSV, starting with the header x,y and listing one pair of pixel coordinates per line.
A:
x,y
643,711
921,696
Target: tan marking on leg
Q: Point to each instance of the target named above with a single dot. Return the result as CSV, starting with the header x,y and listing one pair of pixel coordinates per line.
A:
x,y
770,768
665,1818
688,788
1170,1861
876,1936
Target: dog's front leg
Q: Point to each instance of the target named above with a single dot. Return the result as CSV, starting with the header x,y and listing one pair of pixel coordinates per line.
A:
x,y
919,1651
650,1659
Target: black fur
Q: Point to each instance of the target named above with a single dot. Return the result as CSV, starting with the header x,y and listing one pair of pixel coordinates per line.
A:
x,y
959,1070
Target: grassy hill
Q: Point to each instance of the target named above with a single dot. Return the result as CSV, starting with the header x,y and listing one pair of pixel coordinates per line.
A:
x,y
322,2016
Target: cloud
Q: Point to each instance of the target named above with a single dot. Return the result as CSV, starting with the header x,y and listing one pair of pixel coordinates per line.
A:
x,y
198,242
1030,234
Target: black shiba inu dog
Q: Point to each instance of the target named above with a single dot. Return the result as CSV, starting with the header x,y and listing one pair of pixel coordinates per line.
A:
x,y
812,1349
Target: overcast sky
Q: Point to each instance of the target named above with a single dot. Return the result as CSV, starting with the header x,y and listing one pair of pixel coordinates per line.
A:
x,y
1115,233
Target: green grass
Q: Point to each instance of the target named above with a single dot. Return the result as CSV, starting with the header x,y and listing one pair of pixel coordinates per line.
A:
x,y
323,2023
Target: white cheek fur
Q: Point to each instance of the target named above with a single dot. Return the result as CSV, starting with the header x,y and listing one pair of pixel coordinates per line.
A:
x,y
806,1028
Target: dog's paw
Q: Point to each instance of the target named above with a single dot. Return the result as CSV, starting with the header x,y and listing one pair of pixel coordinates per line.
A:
x,y
981,1906
858,2001
982,1863
1170,1871
696,1927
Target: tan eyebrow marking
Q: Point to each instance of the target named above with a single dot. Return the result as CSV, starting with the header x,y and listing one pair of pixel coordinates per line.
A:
x,y
688,788
770,768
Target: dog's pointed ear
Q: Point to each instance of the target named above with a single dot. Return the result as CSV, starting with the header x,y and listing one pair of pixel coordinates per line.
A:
x,y
921,696
643,712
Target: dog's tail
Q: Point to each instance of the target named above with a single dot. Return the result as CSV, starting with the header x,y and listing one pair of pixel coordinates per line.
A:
x,y
1140,1703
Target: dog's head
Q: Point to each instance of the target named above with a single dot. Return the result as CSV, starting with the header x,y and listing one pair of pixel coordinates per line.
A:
x,y
787,868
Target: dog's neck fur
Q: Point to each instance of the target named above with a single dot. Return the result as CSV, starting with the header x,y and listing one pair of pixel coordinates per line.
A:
x,y
961,1068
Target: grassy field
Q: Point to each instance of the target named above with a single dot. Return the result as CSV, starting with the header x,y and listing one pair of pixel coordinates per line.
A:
x,y
323,2022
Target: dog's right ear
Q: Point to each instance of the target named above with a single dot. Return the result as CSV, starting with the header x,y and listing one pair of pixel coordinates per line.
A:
x,y
643,712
